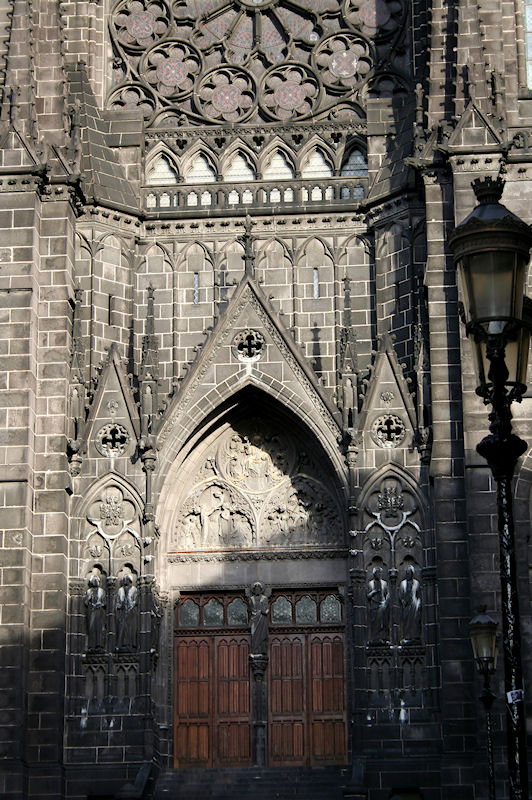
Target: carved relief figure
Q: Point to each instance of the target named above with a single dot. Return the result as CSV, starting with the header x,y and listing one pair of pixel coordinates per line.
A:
x,y
257,461
259,608
410,599
212,518
256,488
378,596
95,603
126,614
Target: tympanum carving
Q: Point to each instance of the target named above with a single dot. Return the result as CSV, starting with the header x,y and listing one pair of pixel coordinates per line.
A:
x,y
253,488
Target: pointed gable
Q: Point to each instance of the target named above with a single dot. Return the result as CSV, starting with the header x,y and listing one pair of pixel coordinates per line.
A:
x,y
474,130
248,346
113,416
388,417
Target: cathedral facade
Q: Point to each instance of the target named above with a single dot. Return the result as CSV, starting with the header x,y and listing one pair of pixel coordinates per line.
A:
x,y
244,524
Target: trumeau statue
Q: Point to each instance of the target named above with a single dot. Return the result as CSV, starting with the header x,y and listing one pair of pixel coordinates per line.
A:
x,y
259,607
126,614
410,599
95,603
379,607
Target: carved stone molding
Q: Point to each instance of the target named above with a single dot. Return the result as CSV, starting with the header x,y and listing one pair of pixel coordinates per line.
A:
x,y
258,555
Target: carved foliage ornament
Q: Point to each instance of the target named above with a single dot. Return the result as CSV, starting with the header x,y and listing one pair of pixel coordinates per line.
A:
x,y
203,58
112,513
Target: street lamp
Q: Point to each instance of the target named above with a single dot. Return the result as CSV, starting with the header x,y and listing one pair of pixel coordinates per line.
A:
x,y
483,634
491,252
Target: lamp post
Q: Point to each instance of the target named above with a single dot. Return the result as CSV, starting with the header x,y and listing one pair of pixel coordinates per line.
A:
x,y
483,634
491,251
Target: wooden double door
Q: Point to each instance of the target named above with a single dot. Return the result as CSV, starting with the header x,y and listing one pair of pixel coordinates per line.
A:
x,y
214,724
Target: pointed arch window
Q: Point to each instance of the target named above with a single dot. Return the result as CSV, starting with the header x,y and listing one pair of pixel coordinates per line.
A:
x,y
200,171
355,165
239,170
316,166
162,173
278,168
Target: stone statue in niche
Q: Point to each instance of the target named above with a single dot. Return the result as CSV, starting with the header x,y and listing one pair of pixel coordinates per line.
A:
x,y
126,614
378,595
95,603
259,607
410,599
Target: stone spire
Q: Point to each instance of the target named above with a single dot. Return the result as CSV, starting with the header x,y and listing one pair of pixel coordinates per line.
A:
x,y
78,387
149,402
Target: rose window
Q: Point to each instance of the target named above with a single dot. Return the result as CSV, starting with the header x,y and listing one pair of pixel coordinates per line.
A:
x,y
227,94
171,68
374,18
289,92
344,60
139,25
201,60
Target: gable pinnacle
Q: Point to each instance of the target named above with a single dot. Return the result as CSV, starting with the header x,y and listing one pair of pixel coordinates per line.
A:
x,y
150,352
247,241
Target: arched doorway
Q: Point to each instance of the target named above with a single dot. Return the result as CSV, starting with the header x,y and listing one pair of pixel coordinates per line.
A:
x,y
258,501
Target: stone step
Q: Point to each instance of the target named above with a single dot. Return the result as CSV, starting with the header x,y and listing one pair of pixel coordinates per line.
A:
x,y
296,783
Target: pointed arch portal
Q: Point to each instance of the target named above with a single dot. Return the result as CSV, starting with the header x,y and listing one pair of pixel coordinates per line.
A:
x,y
256,499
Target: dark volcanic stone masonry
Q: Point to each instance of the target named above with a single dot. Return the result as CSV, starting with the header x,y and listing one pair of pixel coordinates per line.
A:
x,y
244,525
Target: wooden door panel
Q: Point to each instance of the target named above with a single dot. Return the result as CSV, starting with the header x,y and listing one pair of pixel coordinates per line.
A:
x,y
192,704
328,742
327,700
232,722
287,700
192,745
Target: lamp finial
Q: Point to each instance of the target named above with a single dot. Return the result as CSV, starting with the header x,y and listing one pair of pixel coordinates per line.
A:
x,y
488,190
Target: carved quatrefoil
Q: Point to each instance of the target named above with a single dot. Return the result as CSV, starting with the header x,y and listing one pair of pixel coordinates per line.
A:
x,y
388,430
249,345
112,440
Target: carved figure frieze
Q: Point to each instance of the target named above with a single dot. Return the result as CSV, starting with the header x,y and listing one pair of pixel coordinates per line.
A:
x,y
250,490
215,516
303,513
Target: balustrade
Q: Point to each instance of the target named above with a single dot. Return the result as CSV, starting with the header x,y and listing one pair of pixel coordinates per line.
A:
x,y
218,197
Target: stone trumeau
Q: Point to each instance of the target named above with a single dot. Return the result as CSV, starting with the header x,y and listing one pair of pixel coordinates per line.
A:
x,y
244,524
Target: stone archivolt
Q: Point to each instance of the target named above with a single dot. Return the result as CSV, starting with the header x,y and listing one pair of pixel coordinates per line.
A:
x,y
256,490
221,61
